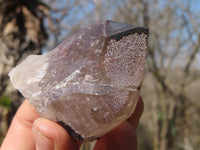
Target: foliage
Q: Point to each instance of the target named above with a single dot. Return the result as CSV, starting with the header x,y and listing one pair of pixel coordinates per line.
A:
x,y
5,106
5,101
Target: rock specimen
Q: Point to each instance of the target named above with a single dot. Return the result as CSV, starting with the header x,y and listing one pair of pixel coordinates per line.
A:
x,y
90,83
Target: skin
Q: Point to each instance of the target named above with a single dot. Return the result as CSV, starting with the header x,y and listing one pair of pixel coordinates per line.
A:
x,y
29,131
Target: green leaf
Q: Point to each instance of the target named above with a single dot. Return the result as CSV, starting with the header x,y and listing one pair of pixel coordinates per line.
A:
x,y
161,116
5,101
173,129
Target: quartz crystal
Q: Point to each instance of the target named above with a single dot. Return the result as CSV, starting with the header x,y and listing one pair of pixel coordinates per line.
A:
x,y
90,83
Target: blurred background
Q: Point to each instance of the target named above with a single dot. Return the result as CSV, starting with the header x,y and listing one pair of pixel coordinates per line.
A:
x,y
171,88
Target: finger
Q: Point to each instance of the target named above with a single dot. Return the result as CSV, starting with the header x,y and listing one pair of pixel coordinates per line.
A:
x,y
121,138
49,136
135,117
19,135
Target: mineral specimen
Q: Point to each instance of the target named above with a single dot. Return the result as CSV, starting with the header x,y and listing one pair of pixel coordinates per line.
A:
x,y
90,83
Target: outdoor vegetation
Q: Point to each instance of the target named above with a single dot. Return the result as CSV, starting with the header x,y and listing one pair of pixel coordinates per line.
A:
x,y
172,79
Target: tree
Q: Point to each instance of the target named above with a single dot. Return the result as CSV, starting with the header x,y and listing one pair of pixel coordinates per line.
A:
x,y
22,33
172,53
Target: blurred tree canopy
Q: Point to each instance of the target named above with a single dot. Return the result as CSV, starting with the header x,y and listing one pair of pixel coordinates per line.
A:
x,y
172,82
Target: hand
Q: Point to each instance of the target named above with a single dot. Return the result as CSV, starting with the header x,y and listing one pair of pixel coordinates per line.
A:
x,y
29,131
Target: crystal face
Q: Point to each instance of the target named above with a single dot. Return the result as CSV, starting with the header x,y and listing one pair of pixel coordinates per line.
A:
x,y
90,83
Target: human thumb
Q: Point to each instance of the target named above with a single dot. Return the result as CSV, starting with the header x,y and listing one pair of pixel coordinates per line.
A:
x,y
49,135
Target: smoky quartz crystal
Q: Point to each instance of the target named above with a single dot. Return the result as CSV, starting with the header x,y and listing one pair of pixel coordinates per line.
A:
x,y
91,82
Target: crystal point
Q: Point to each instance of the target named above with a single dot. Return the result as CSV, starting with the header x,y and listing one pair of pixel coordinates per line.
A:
x,y
90,83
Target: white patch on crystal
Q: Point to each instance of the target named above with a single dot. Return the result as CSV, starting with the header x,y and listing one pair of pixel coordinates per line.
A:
x,y
89,78
41,73
92,44
80,37
46,101
95,109
98,51
87,99
97,41
106,115
36,94
72,76
67,79
130,104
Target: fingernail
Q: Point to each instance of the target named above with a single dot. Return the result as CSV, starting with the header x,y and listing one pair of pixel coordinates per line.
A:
x,y
42,142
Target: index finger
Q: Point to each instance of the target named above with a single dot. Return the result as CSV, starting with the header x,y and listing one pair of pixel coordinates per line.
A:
x,y
135,117
19,135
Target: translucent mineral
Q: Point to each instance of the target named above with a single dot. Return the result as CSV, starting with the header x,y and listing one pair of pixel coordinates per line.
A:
x,y
91,82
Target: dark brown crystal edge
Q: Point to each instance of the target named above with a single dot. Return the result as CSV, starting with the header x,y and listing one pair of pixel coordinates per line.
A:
x,y
74,134
70,131
138,30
